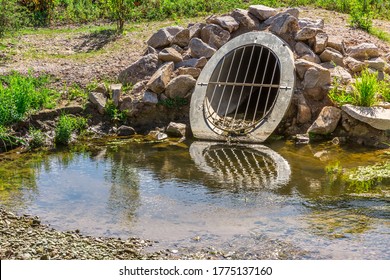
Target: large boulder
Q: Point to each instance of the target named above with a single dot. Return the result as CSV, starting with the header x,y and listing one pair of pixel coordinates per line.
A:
x,y
262,12
354,65
285,26
125,130
377,117
195,30
336,42
302,65
214,35
180,86
199,48
192,71
341,74
182,38
163,37
161,78
246,20
226,22
326,122
306,33
308,22
364,51
316,82
376,63
139,70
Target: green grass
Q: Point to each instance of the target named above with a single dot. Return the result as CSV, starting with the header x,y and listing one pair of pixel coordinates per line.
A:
x,y
66,126
381,34
365,89
20,95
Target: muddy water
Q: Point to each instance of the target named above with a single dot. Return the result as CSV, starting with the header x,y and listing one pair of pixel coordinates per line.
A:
x,y
274,201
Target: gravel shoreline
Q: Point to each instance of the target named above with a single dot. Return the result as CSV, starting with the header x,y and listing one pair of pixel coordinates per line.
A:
x,y
25,238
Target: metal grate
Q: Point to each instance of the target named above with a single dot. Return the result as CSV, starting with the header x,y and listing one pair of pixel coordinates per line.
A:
x,y
242,90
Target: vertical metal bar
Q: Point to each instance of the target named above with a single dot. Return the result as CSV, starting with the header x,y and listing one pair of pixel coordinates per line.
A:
x,y
233,87
242,88
227,78
262,82
219,75
253,81
269,89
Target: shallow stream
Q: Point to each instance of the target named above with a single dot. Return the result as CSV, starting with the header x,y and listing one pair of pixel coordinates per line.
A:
x,y
273,201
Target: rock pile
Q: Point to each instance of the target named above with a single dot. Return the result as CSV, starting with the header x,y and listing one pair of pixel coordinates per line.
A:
x,y
175,57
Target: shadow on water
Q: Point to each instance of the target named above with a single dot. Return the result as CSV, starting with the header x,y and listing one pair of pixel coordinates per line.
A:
x,y
272,201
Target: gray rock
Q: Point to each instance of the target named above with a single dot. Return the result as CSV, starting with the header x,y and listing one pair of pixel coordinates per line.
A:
x,y
226,22
292,11
262,12
302,65
307,22
326,122
199,48
194,72
195,30
116,92
377,117
160,39
354,65
376,63
306,33
331,55
139,87
304,51
182,38
124,130
128,105
151,50
214,35
180,86
337,43
285,26
170,54
320,42
99,100
159,81
246,20
150,98
176,129
142,69
193,62
304,112
316,82
364,51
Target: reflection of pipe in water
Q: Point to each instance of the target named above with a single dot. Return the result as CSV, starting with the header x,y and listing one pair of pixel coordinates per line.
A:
x,y
243,166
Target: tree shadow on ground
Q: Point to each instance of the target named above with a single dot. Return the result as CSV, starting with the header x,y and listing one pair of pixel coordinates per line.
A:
x,y
96,40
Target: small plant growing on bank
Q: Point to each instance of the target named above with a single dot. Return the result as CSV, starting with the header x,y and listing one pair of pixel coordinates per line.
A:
x,y
365,89
338,94
114,113
172,103
67,125
37,138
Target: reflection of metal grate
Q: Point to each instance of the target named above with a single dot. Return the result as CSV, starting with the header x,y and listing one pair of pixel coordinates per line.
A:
x,y
241,166
242,89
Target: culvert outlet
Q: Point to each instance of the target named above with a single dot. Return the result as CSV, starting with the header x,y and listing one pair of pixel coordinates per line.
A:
x,y
244,90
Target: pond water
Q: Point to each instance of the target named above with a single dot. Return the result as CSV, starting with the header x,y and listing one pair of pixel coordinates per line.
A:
x,y
276,201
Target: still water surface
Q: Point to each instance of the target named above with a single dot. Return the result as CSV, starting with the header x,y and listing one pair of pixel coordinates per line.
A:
x,y
276,198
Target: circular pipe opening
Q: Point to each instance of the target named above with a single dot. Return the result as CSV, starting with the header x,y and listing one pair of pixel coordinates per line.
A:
x,y
242,89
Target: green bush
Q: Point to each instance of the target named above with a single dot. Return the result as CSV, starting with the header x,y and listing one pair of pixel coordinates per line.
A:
x,y
113,112
19,95
37,138
338,94
365,89
12,16
67,125
361,14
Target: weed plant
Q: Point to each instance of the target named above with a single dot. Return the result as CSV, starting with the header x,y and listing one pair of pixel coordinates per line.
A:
x,y
114,113
67,125
19,95
37,138
384,90
338,94
174,103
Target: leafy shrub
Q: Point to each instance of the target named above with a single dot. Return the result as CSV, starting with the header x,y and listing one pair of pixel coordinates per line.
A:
x,y
365,89
21,94
12,16
361,14
66,126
